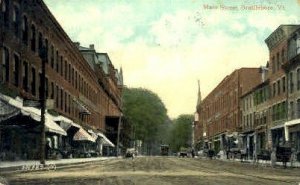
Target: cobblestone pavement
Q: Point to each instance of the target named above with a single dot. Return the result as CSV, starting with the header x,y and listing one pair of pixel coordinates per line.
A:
x,y
159,171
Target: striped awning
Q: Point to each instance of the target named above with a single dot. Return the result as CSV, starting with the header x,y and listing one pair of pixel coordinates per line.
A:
x,y
82,135
106,141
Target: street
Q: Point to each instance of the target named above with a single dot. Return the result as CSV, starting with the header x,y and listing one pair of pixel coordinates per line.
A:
x,y
159,171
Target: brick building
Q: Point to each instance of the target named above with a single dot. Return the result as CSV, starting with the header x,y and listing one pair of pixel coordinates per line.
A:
x,y
84,92
219,113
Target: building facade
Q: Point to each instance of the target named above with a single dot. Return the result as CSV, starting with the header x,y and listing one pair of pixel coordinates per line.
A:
x,y
30,35
219,113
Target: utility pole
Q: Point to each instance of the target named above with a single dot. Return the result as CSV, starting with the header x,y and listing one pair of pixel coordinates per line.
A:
x,y
118,136
43,105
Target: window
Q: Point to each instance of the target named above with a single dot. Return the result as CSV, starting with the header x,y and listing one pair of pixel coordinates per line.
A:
x,y
56,61
47,50
16,19
274,89
278,87
40,44
16,71
273,64
69,73
52,91
33,81
25,30
298,108
61,99
278,61
5,11
292,110
52,56
25,76
283,84
282,56
66,70
33,38
291,82
298,79
56,96
5,65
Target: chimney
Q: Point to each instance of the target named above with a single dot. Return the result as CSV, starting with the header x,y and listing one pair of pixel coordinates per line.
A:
x,y
92,46
77,44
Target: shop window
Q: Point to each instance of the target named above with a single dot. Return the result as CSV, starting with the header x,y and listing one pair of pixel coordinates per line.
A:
x,y
16,71
33,38
5,65
25,76
25,30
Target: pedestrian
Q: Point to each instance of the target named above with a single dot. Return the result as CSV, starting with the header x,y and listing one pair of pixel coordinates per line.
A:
x,y
47,150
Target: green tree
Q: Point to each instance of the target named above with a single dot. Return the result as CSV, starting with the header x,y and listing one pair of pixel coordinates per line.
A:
x,y
181,133
147,113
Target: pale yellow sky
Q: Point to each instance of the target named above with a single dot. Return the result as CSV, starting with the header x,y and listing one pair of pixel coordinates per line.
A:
x,y
166,46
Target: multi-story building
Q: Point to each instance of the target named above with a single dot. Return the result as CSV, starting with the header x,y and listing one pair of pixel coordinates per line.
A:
x,y
219,113
279,83
292,68
82,91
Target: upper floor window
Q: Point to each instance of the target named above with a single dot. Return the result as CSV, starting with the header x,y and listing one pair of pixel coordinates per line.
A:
x,y
33,38
283,84
291,82
5,65
5,11
273,65
282,56
278,61
298,79
16,71
278,87
25,76
25,30
16,18
40,44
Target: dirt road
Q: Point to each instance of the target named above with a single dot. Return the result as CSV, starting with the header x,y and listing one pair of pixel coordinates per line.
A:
x,y
160,171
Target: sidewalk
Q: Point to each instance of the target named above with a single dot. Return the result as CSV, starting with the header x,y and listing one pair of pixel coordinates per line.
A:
x,y
16,166
265,163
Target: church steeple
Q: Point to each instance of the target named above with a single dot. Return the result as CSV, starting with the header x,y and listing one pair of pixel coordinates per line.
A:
x,y
199,95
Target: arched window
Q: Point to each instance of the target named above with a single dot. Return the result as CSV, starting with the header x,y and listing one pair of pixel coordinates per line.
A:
x,y
5,11
25,30
33,38
16,18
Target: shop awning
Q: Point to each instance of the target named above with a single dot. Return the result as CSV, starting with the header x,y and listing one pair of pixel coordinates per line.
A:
x,y
286,127
93,134
277,127
106,141
65,123
82,135
6,110
35,114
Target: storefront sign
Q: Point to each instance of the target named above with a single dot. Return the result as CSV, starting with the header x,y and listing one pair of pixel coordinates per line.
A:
x,y
32,103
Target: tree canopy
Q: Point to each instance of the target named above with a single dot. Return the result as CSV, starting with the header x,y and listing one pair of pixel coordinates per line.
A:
x,y
181,132
145,111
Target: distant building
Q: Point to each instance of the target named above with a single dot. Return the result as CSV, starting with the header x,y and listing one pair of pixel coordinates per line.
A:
x,y
219,113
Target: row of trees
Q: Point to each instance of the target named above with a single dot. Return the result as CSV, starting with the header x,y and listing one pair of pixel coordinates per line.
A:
x,y
151,126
